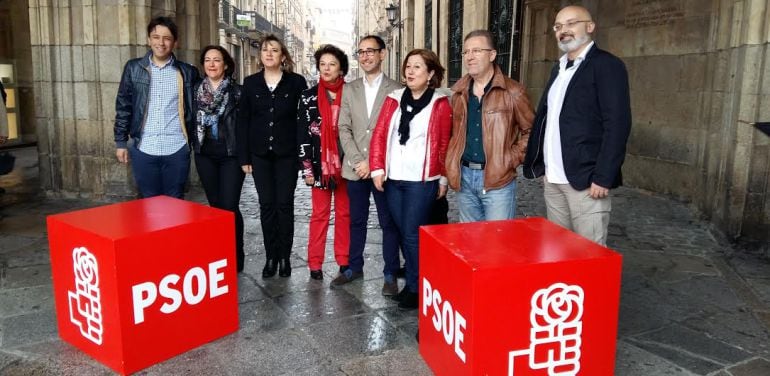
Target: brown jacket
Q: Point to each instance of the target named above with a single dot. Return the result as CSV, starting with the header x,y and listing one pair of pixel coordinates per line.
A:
x,y
505,125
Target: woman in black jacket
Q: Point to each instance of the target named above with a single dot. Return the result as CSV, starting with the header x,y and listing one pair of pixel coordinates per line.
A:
x,y
267,148
213,137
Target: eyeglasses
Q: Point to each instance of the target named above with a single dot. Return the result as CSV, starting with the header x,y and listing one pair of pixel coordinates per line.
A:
x,y
368,52
568,24
476,51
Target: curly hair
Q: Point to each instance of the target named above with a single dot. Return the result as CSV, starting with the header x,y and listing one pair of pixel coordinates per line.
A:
x,y
334,51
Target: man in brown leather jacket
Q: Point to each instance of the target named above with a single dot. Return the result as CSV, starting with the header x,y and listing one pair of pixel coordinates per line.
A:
x,y
492,118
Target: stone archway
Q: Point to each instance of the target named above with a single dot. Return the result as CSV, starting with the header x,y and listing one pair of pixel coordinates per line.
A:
x,y
78,52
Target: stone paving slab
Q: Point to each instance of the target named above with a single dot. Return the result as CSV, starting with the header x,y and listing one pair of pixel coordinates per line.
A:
x,y
28,329
392,362
740,329
754,367
21,301
634,361
360,335
691,303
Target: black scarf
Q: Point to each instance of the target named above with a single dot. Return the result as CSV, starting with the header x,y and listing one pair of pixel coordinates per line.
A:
x,y
409,108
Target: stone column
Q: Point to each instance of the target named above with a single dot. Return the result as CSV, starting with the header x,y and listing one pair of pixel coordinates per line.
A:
x,y
79,49
538,47
734,179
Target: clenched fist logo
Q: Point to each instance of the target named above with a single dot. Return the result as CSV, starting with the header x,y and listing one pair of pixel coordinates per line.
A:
x,y
85,302
555,336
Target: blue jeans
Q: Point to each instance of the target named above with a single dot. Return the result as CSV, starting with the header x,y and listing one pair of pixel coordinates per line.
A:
x,y
358,194
410,203
157,175
476,205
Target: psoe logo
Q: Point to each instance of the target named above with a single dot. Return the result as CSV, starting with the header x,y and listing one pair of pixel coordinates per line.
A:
x,y
85,302
555,336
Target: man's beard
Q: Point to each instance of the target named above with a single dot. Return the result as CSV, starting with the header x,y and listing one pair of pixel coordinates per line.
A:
x,y
574,44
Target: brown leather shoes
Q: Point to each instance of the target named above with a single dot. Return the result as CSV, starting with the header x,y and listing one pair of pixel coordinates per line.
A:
x,y
390,289
346,277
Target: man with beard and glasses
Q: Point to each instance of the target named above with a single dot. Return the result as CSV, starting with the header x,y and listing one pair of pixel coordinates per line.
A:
x,y
579,138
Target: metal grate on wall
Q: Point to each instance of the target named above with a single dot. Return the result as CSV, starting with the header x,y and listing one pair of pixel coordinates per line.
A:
x,y
500,25
455,49
428,24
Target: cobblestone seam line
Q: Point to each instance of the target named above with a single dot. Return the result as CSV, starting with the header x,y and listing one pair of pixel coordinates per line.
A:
x,y
744,291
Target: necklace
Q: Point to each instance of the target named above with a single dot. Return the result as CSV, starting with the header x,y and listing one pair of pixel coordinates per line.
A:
x,y
273,81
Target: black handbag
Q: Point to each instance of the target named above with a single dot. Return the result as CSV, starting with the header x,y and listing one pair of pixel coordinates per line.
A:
x,y
7,160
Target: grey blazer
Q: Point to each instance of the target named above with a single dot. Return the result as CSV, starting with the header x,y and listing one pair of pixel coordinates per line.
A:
x,y
355,126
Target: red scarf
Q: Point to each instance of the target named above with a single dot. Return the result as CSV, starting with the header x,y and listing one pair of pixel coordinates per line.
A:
x,y
331,166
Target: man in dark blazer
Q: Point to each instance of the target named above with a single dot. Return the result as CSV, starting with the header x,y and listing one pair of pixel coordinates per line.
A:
x,y
582,124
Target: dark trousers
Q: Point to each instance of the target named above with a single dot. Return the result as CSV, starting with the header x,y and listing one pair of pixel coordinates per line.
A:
x,y
358,194
157,175
222,179
410,203
276,178
439,213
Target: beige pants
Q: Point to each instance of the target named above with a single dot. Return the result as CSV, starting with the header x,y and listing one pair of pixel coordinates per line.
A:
x,y
577,211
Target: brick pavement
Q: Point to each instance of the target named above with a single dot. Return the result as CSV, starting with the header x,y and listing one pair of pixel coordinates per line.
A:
x,y
691,304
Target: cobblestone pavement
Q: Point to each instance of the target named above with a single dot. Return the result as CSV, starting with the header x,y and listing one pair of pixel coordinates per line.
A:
x,y
691,303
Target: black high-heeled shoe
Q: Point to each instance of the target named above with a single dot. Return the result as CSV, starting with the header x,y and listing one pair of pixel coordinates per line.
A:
x,y
284,268
271,265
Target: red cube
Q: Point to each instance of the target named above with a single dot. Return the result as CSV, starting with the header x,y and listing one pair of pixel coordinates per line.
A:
x,y
519,297
139,282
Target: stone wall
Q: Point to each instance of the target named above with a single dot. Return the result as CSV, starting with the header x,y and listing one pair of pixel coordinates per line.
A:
x,y
696,68
78,52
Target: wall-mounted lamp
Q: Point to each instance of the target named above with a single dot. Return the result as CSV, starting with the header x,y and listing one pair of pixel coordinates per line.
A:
x,y
392,11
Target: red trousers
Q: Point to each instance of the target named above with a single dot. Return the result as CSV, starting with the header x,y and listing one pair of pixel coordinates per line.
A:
x,y
319,225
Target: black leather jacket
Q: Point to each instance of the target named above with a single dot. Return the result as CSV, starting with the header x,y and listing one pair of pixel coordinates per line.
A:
x,y
133,97
228,123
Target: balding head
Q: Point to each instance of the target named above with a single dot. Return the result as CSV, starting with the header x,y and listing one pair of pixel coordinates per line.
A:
x,y
573,28
575,11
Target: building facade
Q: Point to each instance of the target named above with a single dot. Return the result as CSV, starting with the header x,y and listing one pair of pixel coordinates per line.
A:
x,y
371,19
696,68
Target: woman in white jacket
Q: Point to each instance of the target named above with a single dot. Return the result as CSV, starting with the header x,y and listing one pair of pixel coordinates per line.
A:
x,y
407,154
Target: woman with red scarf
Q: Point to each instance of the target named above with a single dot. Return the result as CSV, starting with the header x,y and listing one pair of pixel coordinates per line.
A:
x,y
320,155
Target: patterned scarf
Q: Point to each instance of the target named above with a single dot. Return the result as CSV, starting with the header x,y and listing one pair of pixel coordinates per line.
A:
x,y
331,167
409,108
211,105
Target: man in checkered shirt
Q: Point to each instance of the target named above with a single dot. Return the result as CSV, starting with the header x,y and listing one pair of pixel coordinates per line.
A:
x,y
153,106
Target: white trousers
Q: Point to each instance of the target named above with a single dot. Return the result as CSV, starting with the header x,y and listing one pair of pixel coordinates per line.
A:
x,y
577,211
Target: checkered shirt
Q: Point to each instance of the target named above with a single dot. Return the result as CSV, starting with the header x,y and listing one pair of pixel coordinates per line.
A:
x,y
162,134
